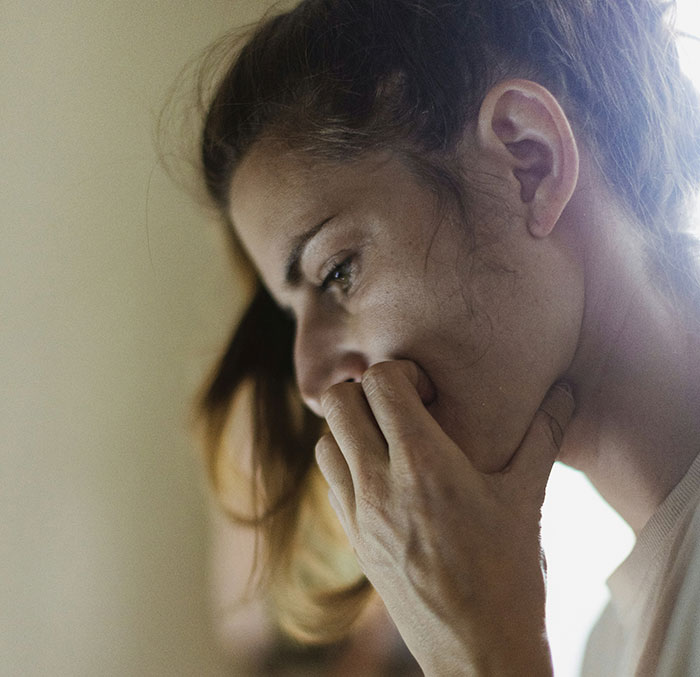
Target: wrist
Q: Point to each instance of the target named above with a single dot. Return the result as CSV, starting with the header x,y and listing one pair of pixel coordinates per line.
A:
x,y
499,656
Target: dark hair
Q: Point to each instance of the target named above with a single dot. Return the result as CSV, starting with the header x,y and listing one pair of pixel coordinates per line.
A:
x,y
339,78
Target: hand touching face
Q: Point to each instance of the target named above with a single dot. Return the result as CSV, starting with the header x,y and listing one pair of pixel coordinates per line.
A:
x,y
453,552
374,271
431,347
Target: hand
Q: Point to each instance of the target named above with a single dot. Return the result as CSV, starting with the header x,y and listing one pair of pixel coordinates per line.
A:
x,y
454,553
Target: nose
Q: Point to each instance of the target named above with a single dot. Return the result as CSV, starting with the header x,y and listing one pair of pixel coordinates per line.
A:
x,y
324,355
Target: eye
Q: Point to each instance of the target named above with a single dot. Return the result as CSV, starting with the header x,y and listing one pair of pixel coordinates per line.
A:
x,y
339,276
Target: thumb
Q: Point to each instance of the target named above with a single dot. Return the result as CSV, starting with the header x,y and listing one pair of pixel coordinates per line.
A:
x,y
540,447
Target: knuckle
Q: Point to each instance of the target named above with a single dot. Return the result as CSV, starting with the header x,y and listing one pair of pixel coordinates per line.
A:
x,y
370,485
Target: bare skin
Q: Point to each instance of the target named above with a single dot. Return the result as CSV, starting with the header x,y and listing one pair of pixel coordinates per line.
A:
x,y
434,366
637,424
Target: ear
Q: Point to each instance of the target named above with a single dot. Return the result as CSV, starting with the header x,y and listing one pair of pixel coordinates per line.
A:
x,y
524,129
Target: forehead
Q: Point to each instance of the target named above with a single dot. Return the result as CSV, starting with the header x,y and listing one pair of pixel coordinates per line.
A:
x,y
272,187
276,195
273,196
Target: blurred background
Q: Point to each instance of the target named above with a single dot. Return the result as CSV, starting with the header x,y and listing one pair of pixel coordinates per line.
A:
x,y
116,295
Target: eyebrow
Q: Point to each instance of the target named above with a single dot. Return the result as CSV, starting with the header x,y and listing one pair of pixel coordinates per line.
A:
x,y
292,268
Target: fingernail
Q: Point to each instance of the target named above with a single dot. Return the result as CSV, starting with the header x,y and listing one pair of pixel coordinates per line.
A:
x,y
560,405
566,387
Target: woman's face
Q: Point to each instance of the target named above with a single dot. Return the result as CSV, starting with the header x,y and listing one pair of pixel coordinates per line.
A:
x,y
372,271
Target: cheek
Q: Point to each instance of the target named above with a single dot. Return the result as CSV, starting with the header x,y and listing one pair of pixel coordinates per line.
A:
x,y
528,340
492,360
476,381
410,321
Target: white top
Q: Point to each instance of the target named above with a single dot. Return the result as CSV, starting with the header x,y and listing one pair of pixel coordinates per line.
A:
x,y
651,625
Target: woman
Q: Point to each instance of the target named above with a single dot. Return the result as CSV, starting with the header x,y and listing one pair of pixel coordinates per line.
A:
x,y
459,218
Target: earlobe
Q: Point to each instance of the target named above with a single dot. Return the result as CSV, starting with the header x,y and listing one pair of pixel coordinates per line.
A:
x,y
524,128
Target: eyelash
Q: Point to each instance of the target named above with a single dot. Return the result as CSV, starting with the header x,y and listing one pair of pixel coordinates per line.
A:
x,y
340,275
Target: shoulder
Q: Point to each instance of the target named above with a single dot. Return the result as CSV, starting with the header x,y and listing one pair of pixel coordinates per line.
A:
x,y
680,652
654,627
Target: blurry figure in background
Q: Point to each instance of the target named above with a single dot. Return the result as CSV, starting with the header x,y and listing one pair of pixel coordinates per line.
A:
x,y
458,218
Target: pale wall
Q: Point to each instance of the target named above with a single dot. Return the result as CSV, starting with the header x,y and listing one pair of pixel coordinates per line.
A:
x,y
115,296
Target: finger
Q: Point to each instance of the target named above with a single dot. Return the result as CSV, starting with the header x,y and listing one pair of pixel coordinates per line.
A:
x,y
355,431
397,393
334,468
339,510
559,406
540,447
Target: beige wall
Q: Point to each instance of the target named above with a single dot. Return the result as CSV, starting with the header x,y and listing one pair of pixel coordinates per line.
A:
x,y
115,296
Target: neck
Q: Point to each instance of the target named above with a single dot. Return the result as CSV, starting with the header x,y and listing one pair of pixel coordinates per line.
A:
x,y
636,376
